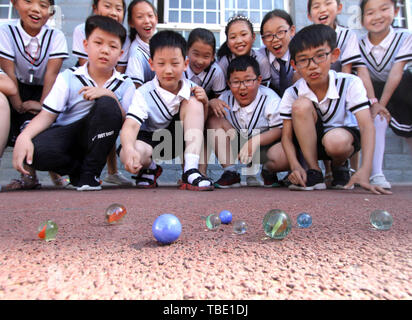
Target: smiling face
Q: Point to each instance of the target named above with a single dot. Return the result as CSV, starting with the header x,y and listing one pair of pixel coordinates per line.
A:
x,y
200,56
104,49
276,25
240,38
33,14
169,64
144,20
243,94
324,12
315,74
110,8
378,16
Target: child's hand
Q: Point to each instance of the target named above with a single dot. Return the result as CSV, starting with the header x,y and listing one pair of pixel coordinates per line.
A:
x,y
362,178
200,95
218,107
298,177
31,106
378,109
132,162
23,150
248,150
93,93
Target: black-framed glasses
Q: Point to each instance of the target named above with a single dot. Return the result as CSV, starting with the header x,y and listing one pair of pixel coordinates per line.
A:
x,y
278,35
246,83
319,58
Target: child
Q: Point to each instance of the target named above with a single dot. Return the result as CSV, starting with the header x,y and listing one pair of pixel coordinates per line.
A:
x,y
158,104
252,121
7,88
386,51
316,110
277,29
82,116
142,18
31,54
326,12
202,69
240,38
114,9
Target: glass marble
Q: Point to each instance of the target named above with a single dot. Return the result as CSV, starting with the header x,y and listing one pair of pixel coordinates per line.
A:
x,y
225,216
381,219
239,227
48,230
304,220
277,224
114,213
167,228
213,222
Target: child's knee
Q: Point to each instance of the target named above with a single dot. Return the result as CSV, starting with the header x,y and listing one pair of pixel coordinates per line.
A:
x,y
338,143
302,106
108,107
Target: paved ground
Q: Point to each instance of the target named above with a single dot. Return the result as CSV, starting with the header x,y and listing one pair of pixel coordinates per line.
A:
x,y
340,257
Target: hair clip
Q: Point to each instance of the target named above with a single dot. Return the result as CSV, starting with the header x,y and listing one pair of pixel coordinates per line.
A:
x,y
238,17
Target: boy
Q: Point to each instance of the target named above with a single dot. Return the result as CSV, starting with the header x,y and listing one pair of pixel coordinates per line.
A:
x,y
252,122
317,115
85,110
157,105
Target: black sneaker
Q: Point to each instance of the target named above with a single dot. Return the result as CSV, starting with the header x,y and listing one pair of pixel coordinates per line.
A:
x,y
314,181
229,179
270,179
341,176
89,183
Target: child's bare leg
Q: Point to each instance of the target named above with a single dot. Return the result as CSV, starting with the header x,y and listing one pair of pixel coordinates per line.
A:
x,y
277,160
304,119
4,122
112,162
354,161
338,145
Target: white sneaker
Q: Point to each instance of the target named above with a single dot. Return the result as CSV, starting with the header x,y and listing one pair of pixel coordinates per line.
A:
x,y
118,178
380,181
251,181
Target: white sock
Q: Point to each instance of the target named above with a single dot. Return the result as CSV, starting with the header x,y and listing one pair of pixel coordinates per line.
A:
x,y
148,176
192,162
380,128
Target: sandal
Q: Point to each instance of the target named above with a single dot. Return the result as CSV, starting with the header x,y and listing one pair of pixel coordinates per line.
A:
x,y
151,183
26,182
194,186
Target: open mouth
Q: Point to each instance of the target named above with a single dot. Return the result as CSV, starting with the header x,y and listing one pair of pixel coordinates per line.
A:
x,y
35,18
147,29
323,18
314,75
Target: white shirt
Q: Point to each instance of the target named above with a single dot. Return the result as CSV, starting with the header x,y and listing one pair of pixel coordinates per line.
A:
x,y
211,79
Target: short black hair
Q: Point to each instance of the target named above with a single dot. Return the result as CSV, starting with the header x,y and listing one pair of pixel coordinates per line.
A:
x,y
241,64
106,24
276,13
204,35
167,39
312,36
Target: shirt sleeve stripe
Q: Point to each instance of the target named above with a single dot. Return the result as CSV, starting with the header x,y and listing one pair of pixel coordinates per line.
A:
x,y
357,107
47,108
134,117
79,54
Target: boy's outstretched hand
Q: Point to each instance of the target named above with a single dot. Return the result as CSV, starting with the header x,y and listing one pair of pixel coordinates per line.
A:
x,y
218,107
362,179
23,150
131,161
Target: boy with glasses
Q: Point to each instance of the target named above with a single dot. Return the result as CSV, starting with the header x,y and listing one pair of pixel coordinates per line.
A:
x,y
250,128
316,113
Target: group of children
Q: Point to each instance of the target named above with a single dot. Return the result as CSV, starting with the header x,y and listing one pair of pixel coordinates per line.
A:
x,y
286,106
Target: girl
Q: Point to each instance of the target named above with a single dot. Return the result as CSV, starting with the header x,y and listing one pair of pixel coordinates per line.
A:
x,y
326,12
142,19
114,9
204,71
277,29
31,54
385,51
240,38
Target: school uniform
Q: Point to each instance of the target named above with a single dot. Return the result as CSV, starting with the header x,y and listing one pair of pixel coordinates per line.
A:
x,y
264,68
379,59
256,118
211,79
84,132
30,56
346,95
347,42
138,67
281,71
155,108
79,35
